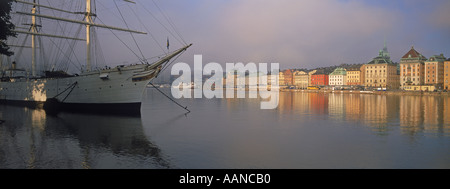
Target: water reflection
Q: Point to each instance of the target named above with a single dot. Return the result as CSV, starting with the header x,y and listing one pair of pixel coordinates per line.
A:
x,y
29,138
414,114
425,114
307,130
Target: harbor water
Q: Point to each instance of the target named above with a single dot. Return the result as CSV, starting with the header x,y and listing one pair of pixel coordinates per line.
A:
x,y
307,130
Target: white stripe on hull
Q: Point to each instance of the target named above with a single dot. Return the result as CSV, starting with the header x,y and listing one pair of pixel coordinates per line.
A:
x,y
90,88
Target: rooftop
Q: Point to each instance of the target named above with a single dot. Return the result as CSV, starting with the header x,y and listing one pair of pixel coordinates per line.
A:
x,y
413,54
339,71
437,58
382,58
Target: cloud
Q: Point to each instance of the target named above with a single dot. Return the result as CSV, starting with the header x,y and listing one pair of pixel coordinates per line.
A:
x,y
297,33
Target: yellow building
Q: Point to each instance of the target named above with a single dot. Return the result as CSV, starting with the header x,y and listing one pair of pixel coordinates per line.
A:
x,y
301,79
363,75
354,75
447,74
381,72
419,88
281,81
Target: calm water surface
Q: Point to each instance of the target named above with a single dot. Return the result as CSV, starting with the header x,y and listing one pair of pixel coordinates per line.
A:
x,y
307,130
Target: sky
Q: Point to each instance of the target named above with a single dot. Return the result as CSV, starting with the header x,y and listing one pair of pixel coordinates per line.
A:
x,y
294,33
309,33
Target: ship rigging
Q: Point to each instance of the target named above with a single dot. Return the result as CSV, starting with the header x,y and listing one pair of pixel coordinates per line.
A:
x,y
93,84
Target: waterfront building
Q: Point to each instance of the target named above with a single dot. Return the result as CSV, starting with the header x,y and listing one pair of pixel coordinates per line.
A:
x,y
412,69
319,78
231,79
419,88
273,80
310,73
447,74
281,79
338,77
301,79
362,75
288,77
250,80
354,75
434,71
381,72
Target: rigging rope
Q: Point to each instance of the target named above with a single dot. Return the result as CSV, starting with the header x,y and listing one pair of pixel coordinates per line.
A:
x,y
122,42
170,22
148,31
132,36
170,32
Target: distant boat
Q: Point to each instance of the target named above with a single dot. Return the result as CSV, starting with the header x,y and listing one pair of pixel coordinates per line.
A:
x,y
118,88
183,86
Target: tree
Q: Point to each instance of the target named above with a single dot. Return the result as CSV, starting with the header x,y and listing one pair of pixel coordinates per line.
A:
x,y
6,27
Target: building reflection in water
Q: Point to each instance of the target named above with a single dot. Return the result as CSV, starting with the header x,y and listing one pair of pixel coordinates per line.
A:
x,y
336,108
414,114
427,114
29,138
318,103
411,114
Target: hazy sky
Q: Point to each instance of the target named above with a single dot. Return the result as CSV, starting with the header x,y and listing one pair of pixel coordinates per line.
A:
x,y
294,33
309,33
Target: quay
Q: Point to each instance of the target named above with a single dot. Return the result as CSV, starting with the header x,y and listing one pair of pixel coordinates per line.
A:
x,y
393,92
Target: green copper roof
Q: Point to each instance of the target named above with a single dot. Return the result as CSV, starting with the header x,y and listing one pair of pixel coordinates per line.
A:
x,y
436,58
382,58
339,71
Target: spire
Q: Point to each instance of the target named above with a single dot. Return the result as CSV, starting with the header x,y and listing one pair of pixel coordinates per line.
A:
x,y
384,52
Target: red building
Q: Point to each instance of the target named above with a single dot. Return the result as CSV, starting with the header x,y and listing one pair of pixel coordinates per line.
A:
x,y
319,79
288,77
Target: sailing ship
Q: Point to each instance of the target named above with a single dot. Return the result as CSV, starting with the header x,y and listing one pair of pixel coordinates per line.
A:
x,y
110,89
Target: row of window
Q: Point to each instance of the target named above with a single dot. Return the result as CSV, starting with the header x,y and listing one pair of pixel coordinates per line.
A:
x,y
375,67
413,70
375,71
384,80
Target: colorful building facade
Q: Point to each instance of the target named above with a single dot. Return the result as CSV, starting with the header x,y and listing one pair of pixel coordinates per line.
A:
x,y
412,69
434,71
320,78
338,77
288,77
447,74
381,72
301,79
354,76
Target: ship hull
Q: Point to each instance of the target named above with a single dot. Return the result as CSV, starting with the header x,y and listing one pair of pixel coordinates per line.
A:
x,y
111,90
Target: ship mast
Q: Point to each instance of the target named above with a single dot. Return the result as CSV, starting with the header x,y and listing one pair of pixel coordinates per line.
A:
x,y
88,22
88,35
33,41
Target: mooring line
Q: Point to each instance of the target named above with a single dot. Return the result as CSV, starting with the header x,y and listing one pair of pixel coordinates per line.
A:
x,y
184,107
